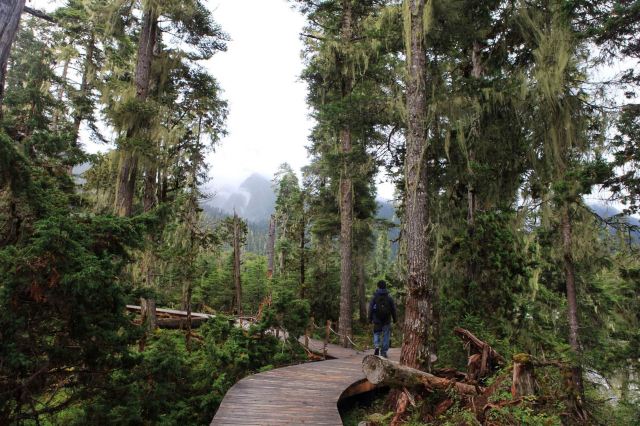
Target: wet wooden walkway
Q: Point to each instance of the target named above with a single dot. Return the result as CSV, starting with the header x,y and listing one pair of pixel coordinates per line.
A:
x,y
299,394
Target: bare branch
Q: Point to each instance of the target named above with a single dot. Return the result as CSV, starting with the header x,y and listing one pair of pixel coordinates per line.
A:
x,y
40,14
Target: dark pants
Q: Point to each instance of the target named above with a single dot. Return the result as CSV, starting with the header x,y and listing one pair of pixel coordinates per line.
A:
x,y
382,338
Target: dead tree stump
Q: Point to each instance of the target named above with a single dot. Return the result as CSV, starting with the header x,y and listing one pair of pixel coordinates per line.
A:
x,y
523,381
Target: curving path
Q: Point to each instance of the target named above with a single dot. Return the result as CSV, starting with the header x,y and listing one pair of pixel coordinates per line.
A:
x,y
298,394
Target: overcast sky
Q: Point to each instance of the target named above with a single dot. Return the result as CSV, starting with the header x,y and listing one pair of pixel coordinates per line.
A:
x,y
268,120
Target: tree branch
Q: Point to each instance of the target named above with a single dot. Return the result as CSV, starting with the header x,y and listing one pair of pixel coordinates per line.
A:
x,y
40,14
312,36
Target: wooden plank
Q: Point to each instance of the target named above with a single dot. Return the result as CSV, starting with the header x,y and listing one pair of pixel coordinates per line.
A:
x,y
136,308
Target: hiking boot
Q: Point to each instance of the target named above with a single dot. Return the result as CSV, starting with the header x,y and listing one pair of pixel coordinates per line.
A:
x,y
384,355
376,351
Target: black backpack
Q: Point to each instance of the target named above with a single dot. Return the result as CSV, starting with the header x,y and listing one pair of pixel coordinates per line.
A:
x,y
382,308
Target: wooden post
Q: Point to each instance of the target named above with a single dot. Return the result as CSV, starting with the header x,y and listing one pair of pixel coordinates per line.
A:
x,y
327,333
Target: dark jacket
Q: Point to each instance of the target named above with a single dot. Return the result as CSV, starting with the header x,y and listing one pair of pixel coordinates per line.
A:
x,y
372,315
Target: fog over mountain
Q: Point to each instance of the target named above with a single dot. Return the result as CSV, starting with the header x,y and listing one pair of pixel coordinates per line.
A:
x,y
254,199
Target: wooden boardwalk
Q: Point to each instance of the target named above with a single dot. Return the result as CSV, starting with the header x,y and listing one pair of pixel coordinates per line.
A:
x,y
299,394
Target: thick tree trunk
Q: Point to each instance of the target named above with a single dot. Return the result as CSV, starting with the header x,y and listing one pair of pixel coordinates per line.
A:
x,y
126,183
382,371
572,304
236,263
418,339
127,174
346,197
148,37
271,246
10,11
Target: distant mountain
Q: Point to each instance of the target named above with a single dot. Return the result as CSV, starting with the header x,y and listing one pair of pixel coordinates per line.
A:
x,y
254,200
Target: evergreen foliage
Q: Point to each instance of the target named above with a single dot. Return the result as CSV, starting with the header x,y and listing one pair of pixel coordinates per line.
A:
x,y
517,134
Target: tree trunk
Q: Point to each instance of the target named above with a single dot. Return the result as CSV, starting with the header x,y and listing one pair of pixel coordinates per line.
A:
x,y
271,246
572,304
362,296
302,255
148,313
236,263
149,199
346,198
186,305
60,94
476,72
88,74
10,11
127,174
126,183
382,371
418,341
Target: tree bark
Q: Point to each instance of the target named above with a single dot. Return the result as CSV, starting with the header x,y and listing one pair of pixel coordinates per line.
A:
x,y
10,11
271,246
382,371
126,183
149,198
127,174
523,381
572,304
148,313
346,196
477,72
418,341
236,263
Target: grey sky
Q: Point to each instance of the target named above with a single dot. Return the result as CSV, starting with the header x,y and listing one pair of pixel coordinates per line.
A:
x,y
268,120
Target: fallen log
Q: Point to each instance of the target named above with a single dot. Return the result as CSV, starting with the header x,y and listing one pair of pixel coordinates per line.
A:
x,y
179,323
380,370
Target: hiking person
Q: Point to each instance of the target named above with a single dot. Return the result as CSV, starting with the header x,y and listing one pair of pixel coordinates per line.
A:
x,y
381,311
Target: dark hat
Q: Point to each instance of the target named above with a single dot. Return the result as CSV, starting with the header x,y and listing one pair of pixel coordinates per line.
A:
x,y
382,284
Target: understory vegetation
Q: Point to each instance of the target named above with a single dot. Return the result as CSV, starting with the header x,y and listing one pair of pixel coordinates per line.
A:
x,y
495,120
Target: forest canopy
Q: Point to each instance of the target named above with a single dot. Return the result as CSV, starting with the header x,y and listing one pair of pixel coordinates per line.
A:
x,y
496,121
